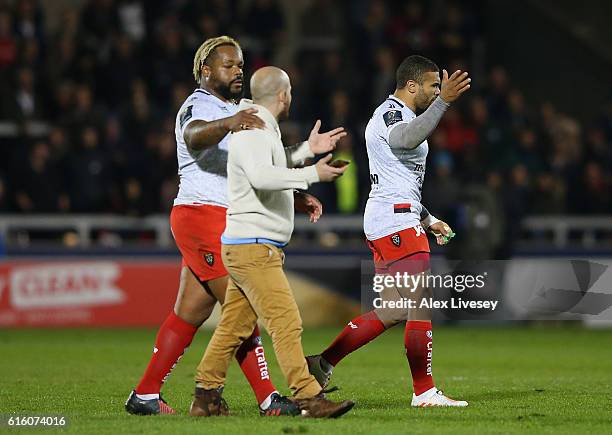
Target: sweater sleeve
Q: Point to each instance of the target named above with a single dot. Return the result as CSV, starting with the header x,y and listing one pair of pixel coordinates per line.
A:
x,y
296,154
253,153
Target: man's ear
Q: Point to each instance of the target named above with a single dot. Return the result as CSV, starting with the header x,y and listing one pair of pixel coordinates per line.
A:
x,y
283,96
206,71
411,85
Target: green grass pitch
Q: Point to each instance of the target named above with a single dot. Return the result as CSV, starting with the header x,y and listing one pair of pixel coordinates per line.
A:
x,y
517,380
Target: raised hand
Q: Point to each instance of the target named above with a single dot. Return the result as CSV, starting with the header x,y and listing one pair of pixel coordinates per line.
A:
x,y
321,143
454,86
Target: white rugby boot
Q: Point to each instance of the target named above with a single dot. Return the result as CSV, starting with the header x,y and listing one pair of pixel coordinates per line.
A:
x,y
435,397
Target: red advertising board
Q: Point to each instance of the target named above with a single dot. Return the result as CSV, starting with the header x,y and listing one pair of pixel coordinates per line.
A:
x,y
87,293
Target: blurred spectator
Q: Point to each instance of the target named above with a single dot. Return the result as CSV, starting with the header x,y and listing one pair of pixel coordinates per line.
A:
x,y
264,21
409,30
139,116
347,186
595,198
132,19
26,101
99,20
548,195
109,80
89,175
5,205
169,63
458,134
8,42
322,19
135,203
527,152
441,190
38,184
599,148
497,94
455,33
29,20
85,111
384,75
122,69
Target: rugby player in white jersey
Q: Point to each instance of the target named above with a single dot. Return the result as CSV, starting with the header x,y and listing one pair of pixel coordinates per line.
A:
x,y
202,129
395,221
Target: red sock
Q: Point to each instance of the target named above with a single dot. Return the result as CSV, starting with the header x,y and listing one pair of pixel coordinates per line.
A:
x,y
250,356
358,332
419,347
173,338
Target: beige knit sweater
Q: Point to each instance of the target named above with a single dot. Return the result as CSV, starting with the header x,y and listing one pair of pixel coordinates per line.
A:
x,y
261,180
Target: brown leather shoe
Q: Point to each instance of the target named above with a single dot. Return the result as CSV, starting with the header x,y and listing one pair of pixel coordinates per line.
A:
x,y
207,403
320,407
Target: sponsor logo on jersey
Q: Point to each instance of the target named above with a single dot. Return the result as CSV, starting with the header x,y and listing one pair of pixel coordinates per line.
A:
x,y
352,325
419,230
392,116
396,240
186,115
209,258
429,334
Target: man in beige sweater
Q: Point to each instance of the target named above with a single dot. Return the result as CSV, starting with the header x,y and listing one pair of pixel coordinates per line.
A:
x,y
261,179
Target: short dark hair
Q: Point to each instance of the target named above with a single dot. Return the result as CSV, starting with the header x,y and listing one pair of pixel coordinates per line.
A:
x,y
413,68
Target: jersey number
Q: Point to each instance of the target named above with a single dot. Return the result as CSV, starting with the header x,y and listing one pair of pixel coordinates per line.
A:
x,y
374,178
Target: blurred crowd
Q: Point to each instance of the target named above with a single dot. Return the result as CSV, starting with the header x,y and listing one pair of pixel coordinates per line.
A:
x,y
87,111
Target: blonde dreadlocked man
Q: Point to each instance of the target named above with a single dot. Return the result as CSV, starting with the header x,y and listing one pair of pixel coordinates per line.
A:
x,y
202,129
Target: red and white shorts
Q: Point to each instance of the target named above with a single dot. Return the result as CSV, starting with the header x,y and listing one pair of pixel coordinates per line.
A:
x,y
197,231
404,251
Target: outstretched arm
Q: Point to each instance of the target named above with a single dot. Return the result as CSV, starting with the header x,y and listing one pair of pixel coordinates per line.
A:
x,y
411,134
252,151
317,143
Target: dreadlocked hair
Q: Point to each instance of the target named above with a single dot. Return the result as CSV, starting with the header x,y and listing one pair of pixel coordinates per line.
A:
x,y
206,49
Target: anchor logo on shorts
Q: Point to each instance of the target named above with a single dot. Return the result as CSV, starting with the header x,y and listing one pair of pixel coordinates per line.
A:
x,y
210,259
395,239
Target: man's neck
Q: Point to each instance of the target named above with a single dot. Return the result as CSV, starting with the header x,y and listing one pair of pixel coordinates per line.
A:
x,y
405,98
272,108
215,93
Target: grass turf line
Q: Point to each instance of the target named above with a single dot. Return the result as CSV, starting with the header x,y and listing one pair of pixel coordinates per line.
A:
x,y
518,380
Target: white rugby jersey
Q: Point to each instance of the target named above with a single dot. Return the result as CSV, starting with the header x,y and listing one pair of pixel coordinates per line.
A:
x,y
396,174
203,174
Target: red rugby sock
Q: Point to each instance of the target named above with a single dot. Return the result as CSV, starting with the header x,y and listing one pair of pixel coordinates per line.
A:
x,y
419,346
358,332
250,356
173,338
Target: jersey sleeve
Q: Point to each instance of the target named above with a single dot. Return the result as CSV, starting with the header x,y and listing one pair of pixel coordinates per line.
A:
x,y
392,117
198,109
